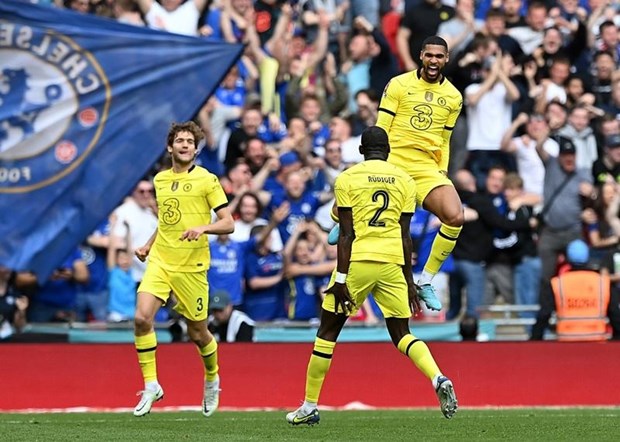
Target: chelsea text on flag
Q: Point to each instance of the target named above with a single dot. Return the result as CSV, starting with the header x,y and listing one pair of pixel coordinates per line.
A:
x,y
85,106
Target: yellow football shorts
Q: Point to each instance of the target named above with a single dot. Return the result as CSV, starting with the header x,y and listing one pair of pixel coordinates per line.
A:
x,y
423,167
385,281
191,290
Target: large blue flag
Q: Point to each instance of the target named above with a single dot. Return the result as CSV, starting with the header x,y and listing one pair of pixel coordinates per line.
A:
x,y
85,106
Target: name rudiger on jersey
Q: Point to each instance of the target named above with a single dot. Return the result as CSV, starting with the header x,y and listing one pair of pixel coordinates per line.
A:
x,y
47,130
381,179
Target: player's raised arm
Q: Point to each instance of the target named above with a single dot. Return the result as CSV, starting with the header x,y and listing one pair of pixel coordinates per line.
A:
x,y
277,217
507,143
540,145
200,4
144,5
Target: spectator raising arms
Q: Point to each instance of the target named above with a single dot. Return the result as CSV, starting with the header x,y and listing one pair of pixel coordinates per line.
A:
x,y
173,15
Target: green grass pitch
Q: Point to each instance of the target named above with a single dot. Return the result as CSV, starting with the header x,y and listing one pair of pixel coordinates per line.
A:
x,y
524,425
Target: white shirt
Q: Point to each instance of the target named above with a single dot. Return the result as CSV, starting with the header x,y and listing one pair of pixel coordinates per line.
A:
x,y
323,215
142,223
183,20
555,92
489,119
242,233
457,26
527,38
351,150
529,165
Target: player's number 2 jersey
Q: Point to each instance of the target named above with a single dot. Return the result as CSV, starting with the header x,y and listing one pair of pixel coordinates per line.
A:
x,y
377,193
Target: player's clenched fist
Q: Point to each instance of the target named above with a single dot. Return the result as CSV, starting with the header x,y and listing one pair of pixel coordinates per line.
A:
x,y
142,252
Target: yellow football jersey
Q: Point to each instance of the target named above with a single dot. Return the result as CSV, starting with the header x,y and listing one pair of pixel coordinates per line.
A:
x,y
377,193
185,200
415,115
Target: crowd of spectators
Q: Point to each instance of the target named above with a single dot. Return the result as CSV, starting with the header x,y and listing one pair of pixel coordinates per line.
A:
x,y
535,154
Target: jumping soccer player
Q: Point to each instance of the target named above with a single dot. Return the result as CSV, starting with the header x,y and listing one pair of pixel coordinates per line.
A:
x,y
418,110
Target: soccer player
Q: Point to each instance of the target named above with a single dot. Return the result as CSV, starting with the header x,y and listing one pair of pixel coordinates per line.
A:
x,y
418,110
375,202
178,261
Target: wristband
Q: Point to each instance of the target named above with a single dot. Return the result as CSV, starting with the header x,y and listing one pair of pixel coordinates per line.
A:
x,y
340,278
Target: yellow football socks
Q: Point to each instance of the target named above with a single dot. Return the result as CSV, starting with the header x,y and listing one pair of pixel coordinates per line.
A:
x,y
317,368
209,359
418,352
146,346
444,243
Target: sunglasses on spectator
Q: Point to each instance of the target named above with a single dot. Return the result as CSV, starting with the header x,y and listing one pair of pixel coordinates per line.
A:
x,y
144,190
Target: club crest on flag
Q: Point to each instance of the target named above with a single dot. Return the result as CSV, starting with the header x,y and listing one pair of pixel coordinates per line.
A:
x,y
46,79
85,107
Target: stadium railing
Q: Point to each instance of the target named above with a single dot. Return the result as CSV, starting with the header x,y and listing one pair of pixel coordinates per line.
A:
x,y
511,324
284,331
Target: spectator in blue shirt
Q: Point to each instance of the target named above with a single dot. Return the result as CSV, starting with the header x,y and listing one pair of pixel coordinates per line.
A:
x,y
232,92
55,299
263,299
122,287
121,284
289,163
228,266
272,130
92,298
304,275
424,228
265,289
302,204
211,28
310,111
